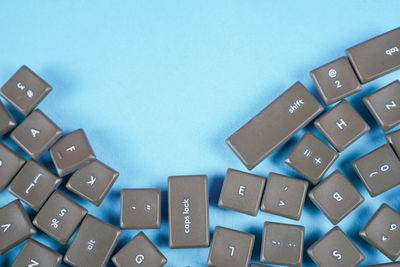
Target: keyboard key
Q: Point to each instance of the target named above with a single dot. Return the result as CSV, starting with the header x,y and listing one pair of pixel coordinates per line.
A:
x,y
393,139
25,90
377,56
383,231
294,109
93,243
336,197
384,105
34,184
34,253
140,208
335,80
230,248
259,265
7,122
341,125
335,249
93,181
36,134
282,244
140,251
59,217
311,157
188,211
242,192
15,226
379,170
71,152
284,196
10,164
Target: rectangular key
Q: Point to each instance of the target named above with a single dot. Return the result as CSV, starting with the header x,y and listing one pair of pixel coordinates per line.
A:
x,y
393,139
10,164
34,253
230,248
383,231
377,56
294,109
7,122
188,211
93,243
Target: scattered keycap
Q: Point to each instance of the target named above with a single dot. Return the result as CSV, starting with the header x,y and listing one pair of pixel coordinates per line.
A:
x,y
10,164
393,139
7,122
34,253
258,265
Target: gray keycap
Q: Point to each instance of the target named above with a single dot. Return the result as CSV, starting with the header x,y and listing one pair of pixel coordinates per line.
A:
x,y
335,80
258,265
384,105
230,248
15,226
311,157
93,181
25,90
71,152
7,122
242,192
33,184
336,197
393,139
59,217
377,56
282,244
140,251
294,109
284,196
34,253
335,249
341,125
36,134
383,231
93,243
188,211
10,164
379,170
140,208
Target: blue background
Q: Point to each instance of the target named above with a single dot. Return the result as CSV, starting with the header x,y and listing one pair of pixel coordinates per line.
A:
x,y
159,85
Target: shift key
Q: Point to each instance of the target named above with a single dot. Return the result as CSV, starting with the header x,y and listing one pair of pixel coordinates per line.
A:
x,y
274,125
188,211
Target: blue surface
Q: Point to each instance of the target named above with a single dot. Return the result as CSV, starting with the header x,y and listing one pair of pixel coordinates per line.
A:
x,y
159,85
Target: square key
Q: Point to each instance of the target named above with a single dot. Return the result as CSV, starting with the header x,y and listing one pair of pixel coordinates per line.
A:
x,y
284,196
341,125
33,184
7,122
34,253
282,244
393,139
140,251
140,208
335,249
15,226
36,134
93,181
71,152
384,105
59,217
10,164
335,80
311,157
336,197
230,248
93,243
379,170
383,231
242,192
25,90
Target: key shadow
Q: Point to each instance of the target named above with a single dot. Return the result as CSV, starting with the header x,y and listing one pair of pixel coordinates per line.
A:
x,y
257,232
308,242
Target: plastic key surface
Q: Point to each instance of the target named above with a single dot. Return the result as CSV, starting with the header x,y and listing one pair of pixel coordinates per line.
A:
x,y
10,164
34,253
7,122
393,139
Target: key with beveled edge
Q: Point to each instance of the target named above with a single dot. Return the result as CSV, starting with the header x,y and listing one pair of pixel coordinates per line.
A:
x,y
34,253
59,217
93,243
15,226
242,192
140,251
230,248
7,122
379,170
33,184
259,265
383,231
10,164
25,90
393,139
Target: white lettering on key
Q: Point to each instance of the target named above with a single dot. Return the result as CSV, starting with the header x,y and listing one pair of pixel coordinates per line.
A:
x,y
383,168
21,86
35,132
337,196
341,124
92,180
242,190
391,51
332,73
285,188
62,212
292,244
33,263
384,238
232,249
307,153
1,163
91,244
317,161
54,223
338,84
276,243
295,105
393,227
336,254
186,215
34,183
139,259
5,227
281,203
390,105
29,93
71,148
148,207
